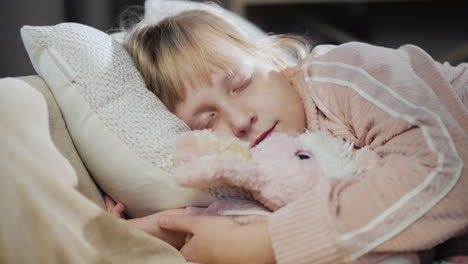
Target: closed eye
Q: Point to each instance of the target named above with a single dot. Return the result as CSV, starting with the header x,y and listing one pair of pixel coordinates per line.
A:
x,y
211,120
207,121
302,155
243,85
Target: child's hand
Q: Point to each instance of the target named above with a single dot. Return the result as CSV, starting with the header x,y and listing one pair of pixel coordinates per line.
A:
x,y
114,209
218,239
149,223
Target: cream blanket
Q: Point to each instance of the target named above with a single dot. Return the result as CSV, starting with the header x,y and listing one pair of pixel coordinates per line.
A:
x,y
44,218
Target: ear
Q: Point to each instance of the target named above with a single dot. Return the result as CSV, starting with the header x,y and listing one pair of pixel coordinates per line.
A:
x,y
200,143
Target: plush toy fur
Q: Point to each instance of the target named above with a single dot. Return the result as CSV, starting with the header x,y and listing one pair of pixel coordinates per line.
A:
x,y
276,171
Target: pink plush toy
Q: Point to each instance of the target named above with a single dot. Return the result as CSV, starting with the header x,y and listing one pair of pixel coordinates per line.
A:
x,y
276,171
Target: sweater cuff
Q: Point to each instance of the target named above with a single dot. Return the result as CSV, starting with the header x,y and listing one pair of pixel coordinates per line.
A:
x,y
301,232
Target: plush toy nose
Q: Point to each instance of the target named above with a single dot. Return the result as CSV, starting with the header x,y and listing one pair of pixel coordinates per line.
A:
x,y
303,154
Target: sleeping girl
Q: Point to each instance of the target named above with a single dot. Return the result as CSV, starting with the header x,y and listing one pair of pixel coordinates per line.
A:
x,y
407,108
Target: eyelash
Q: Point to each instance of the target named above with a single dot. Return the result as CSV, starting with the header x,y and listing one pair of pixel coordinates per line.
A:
x,y
243,85
209,124
212,116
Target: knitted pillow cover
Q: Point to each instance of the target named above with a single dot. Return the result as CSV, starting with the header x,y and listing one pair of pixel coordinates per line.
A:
x,y
122,132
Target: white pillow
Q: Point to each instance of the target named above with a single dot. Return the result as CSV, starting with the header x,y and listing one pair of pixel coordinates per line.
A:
x,y
156,10
123,133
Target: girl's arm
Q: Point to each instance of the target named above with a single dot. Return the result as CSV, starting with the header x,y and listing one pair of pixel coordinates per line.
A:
x,y
399,103
219,239
149,223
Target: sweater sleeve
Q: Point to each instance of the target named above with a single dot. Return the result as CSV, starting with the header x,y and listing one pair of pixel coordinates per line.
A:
x,y
385,103
458,78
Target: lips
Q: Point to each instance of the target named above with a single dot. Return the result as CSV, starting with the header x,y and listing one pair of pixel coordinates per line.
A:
x,y
264,135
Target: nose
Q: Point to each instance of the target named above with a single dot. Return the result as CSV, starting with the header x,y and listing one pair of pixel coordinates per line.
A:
x,y
242,121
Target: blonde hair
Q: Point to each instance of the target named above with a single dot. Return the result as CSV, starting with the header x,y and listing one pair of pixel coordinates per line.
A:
x,y
164,51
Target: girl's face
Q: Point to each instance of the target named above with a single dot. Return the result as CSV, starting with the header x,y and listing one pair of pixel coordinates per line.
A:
x,y
249,102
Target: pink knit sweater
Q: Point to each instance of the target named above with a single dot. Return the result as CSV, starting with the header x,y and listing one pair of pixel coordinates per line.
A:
x,y
412,111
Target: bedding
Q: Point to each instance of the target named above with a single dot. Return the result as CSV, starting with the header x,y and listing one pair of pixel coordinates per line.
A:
x,y
46,219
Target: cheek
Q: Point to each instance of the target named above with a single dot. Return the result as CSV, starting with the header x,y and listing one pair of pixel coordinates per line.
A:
x,y
223,129
282,90
273,95
290,104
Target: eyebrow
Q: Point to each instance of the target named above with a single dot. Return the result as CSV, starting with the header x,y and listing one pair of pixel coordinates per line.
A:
x,y
226,79
229,76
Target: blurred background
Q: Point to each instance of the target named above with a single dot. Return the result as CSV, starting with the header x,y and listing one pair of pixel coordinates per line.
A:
x,y
438,26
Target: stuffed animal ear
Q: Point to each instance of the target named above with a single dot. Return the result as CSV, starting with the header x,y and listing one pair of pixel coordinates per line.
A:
x,y
211,171
187,149
199,143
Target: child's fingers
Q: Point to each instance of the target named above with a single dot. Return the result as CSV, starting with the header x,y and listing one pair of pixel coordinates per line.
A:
x,y
178,223
113,208
120,207
109,203
118,210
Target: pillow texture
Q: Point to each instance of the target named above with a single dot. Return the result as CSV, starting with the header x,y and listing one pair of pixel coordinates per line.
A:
x,y
123,133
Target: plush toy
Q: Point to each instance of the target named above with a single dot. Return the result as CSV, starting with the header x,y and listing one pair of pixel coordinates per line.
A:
x,y
276,171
